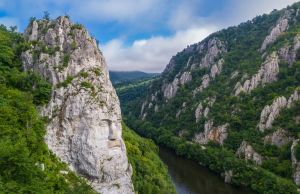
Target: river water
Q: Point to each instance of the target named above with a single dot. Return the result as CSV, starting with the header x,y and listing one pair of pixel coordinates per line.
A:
x,y
191,178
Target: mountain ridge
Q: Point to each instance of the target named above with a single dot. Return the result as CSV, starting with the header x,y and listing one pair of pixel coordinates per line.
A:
x,y
224,94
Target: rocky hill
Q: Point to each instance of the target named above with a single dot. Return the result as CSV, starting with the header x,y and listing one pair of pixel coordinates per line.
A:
x,y
84,128
235,93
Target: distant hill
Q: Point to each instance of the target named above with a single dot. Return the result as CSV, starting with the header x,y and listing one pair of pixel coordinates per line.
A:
x,y
125,76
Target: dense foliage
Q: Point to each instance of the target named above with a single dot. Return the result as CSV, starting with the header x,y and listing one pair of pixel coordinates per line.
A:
x,y
26,164
150,175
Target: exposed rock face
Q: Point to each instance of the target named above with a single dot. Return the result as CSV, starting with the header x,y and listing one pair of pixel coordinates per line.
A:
x,y
289,53
185,77
266,74
85,118
214,71
215,47
281,26
293,98
295,163
215,134
278,138
198,112
170,89
247,152
270,112
202,110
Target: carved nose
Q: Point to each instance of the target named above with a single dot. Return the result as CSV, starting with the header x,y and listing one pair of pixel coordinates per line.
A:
x,y
113,132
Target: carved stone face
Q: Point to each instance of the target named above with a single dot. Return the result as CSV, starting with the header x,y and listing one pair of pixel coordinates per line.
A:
x,y
113,132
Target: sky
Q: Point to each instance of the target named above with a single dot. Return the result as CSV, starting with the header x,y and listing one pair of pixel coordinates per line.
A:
x,y
141,34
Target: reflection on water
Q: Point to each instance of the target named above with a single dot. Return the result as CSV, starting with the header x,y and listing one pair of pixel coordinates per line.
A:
x,y
191,178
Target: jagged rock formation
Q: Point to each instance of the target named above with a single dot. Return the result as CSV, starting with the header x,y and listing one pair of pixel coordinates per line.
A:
x,y
289,52
247,152
201,111
211,133
270,112
84,128
281,26
214,71
296,163
266,74
279,138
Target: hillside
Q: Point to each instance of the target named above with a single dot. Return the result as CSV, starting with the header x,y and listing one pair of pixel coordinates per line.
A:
x,y
117,77
231,103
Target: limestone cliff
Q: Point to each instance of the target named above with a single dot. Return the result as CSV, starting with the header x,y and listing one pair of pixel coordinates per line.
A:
x,y
84,128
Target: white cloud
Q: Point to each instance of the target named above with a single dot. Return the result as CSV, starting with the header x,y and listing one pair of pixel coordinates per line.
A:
x,y
151,54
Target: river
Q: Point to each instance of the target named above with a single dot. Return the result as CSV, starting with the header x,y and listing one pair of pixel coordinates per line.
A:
x,y
191,178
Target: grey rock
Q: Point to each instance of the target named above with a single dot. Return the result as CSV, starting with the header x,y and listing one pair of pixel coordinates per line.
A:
x,y
215,47
269,113
281,26
216,68
266,74
228,176
214,71
185,77
198,112
170,89
247,152
85,122
211,133
295,163
293,98
288,53
279,138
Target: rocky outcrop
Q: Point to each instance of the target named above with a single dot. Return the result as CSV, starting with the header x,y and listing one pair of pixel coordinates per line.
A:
x,y
84,128
203,110
289,53
185,77
215,47
246,151
270,112
293,98
207,78
281,26
199,112
295,163
278,138
211,133
266,74
170,89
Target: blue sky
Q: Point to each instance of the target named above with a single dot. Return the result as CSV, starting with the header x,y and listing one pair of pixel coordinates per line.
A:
x,y
142,34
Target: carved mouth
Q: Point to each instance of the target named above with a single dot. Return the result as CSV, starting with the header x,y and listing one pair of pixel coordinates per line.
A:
x,y
114,143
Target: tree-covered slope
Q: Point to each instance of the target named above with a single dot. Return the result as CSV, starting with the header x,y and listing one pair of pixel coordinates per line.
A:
x,y
234,95
127,76
150,175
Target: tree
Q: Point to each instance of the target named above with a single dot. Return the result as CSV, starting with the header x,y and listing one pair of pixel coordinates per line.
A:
x,y
46,15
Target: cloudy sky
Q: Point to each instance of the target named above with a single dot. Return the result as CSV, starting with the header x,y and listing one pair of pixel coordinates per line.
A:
x,y
142,34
